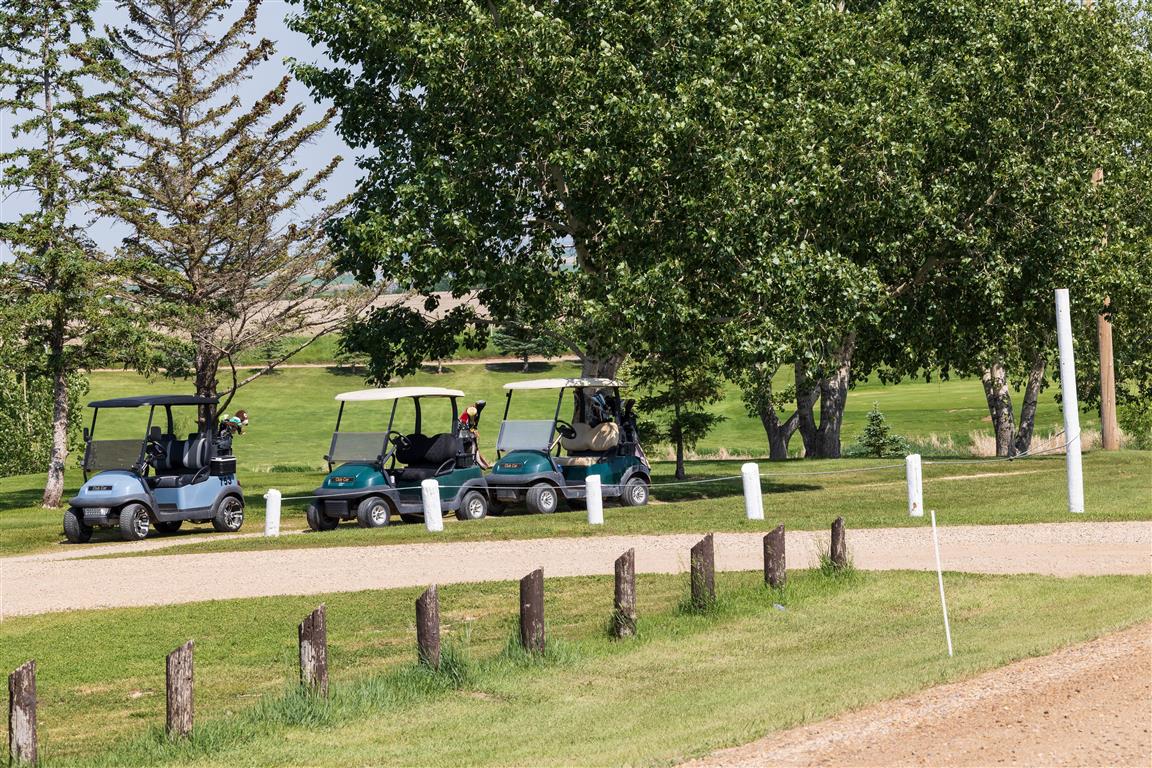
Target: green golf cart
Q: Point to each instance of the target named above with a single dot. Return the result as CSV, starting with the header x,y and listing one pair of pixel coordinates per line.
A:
x,y
380,473
541,461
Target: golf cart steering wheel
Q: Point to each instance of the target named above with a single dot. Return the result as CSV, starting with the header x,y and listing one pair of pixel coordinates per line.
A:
x,y
398,439
566,430
153,449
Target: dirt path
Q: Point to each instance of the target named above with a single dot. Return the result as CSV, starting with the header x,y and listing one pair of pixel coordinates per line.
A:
x,y
1087,705
56,582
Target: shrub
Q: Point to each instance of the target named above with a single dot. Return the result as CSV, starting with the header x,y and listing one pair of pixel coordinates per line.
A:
x,y
1136,422
877,438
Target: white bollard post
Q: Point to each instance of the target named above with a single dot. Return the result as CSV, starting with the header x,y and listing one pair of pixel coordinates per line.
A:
x,y
1071,407
912,469
272,513
753,496
430,495
594,499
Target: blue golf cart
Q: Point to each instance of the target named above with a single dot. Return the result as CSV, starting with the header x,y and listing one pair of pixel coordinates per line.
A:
x,y
380,473
158,478
541,461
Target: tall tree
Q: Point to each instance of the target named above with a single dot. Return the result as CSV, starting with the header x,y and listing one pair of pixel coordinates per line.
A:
x,y
545,157
60,296
227,240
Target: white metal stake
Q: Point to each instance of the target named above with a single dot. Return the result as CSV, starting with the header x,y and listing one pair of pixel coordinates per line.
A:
x,y
912,472
753,496
594,499
1071,407
272,513
430,495
940,581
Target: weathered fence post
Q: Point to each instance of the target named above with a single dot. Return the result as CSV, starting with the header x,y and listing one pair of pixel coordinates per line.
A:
x,y
624,615
532,611
839,551
703,574
428,627
178,690
314,651
22,714
775,568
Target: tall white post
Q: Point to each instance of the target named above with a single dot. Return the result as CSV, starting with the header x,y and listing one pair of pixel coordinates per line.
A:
x,y
1071,407
430,495
912,472
594,499
753,496
272,513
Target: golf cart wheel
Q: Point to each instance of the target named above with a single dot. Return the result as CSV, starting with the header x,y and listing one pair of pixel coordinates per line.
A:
x,y
75,529
169,526
472,507
229,515
542,499
373,512
134,522
634,493
497,507
412,518
318,521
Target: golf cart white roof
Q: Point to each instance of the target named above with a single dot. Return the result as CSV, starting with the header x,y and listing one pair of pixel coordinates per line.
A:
x,y
562,383
395,393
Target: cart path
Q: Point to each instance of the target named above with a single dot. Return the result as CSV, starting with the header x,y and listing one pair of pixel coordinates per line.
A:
x,y
44,583
1086,705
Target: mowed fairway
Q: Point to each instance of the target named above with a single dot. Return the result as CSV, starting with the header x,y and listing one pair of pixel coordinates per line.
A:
x,y
689,684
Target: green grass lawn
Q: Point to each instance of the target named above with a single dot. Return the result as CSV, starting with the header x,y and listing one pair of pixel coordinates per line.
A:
x,y
1118,486
687,685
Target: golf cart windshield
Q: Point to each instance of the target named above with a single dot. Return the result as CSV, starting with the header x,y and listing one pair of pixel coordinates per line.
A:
x,y
526,435
112,454
358,446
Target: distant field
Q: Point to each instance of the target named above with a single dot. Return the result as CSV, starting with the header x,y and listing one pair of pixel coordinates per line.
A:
x,y
293,413
687,685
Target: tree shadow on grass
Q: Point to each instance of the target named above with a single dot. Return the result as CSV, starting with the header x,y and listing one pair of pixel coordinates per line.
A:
x,y
346,370
719,489
24,497
518,367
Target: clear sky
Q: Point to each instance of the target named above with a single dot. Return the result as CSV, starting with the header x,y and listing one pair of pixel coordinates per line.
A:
x,y
270,24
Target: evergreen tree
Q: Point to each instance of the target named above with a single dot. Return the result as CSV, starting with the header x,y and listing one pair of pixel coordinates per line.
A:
x,y
226,255
878,440
60,297
523,343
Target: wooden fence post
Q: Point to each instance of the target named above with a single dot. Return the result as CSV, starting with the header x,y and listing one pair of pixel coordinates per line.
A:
x,y
532,611
624,615
428,627
839,548
775,568
22,714
178,692
314,651
703,574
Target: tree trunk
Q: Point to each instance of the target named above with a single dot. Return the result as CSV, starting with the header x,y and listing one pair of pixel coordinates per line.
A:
x,y
823,441
525,359
779,432
207,365
999,397
54,487
678,436
1023,440
593,365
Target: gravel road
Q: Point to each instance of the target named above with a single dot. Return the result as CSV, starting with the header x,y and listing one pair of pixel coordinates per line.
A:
x,y
1087,705
70,580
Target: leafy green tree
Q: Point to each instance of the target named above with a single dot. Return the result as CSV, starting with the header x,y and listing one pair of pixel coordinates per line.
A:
x,y
523,343
227,242
62,306
546,159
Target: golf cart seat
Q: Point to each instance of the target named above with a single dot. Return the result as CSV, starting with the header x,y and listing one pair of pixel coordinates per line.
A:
x,y
182,463
590,444
427,456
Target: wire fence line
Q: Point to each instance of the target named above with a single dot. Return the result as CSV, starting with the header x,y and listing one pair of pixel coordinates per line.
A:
x,y
726,478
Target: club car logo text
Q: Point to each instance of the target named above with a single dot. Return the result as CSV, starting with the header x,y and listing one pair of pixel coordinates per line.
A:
x,y
343,479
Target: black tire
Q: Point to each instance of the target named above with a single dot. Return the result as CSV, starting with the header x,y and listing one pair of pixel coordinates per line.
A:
x,y
318,521
412,518
374,512
634,493
229,515
169,526
497,507
542,499
474,506
75,529
134,522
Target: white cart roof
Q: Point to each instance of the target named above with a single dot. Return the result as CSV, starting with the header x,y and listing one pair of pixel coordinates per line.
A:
x,y
395,393
561,383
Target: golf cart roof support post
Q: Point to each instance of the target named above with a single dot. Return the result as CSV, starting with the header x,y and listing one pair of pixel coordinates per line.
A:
x,y
335,432
556,417
144,442
88,442
416,405
455,417
171,424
